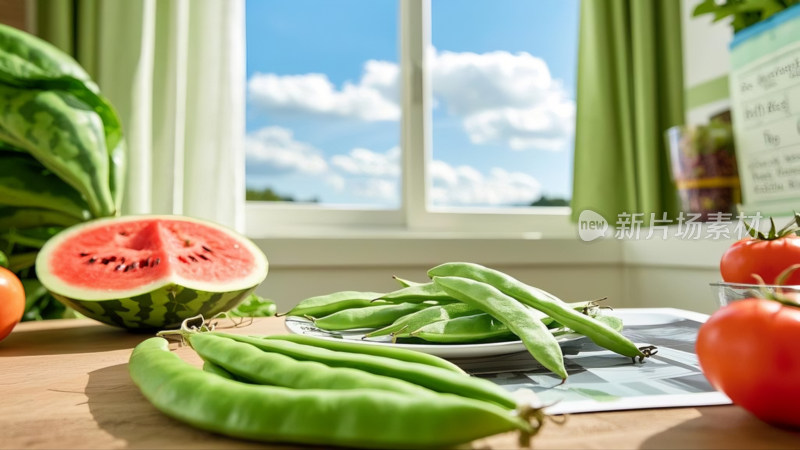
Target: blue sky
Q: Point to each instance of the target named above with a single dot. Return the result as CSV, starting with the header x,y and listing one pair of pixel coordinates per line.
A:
x,y
322,114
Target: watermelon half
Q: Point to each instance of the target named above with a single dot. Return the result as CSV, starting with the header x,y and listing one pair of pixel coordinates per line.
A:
x,y
146,272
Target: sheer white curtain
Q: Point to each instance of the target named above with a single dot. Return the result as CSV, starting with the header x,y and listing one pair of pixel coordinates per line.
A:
x,y
175,71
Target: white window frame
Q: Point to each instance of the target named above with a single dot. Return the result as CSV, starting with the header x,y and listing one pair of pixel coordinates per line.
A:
x,y
267,219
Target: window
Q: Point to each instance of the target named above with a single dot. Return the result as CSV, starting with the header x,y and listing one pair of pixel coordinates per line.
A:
x,y
351,122
502,76
323,106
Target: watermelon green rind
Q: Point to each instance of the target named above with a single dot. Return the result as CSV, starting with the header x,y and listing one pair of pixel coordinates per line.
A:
x,y
58,286
162,308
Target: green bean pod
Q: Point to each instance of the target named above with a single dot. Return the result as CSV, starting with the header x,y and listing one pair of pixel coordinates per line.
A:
x,y
210,367
246,362
613,322
374,316
405,283
521,320
485,328
364,418
462,330
434,378
401,354
418,293
600,333
323,305
404,326
423,317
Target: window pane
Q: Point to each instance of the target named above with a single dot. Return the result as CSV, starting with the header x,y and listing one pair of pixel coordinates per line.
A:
x,y
323,109
503,77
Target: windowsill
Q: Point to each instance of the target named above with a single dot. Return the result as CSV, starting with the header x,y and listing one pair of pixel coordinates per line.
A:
x,y
386,248
392,246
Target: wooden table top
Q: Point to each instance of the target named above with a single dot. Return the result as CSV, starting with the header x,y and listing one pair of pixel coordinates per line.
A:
x,y
65,384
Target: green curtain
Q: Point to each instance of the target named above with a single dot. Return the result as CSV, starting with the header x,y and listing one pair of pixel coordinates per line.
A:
x,y
629,91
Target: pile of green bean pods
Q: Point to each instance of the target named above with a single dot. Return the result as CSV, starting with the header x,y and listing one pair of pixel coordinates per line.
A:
x,y
470,303
307,390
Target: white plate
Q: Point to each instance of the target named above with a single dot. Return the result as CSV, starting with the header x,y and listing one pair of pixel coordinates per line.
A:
x,y
300,325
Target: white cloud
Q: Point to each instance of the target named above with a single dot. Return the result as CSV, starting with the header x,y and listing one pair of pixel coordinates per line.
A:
x,y
546,127
374,98
463,185
364,173
361,161
472,82
376,188
501,98
337,182
273,150
369,174
505,98
384,77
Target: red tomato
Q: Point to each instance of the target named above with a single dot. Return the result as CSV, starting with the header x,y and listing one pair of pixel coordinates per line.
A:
x,y
748,350
767,258
12,301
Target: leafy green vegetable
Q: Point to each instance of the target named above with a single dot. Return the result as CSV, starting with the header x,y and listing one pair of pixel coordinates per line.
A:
x,y
30,237
39,304
22,217
62,156
26,183
254,306
29,62
744,13
22,261
27,57
65,136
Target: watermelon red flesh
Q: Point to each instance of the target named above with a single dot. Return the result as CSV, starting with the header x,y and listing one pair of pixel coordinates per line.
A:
x,y
119,255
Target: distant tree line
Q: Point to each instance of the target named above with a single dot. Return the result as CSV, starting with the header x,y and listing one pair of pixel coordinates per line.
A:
x,y
551,201
269,195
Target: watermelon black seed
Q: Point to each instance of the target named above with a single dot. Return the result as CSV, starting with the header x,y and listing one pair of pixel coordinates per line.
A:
x,y
105,260
192,258
207,249
84,254
92,259
127,268
122,260
123,233
157,261
112,258
145,262
203,257
119,267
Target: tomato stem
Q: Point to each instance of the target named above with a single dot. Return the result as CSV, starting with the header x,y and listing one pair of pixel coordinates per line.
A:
x,y
778,295
792,227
